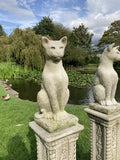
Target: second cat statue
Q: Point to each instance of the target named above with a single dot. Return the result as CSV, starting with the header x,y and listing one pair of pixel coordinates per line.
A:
x,y
106,78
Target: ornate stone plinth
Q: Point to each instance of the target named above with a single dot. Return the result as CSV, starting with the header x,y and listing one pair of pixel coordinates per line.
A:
x,y
60,145
105,132
51,125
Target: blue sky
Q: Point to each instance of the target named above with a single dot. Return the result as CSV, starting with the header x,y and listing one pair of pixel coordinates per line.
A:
x,y
97,15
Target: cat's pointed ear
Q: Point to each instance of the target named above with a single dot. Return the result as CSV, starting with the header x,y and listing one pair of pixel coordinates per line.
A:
x,y
117,47
111,46
64,40
45,41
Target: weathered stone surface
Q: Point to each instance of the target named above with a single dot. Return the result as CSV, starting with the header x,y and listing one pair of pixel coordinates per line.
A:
x,y
54,93
105,135
60,145
105,109
106,78
52,125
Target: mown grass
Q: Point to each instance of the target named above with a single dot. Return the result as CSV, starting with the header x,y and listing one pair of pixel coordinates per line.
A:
x,y
91,66
18,142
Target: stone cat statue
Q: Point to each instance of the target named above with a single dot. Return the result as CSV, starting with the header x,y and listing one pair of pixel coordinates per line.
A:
x,y
106,78
54,93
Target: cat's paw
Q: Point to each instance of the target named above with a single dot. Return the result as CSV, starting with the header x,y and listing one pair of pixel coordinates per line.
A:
x,y
109,103
64,115
60,116
47,115
114,101
102,102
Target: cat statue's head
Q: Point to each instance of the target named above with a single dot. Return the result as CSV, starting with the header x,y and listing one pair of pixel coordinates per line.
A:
x,y
54,49
112,52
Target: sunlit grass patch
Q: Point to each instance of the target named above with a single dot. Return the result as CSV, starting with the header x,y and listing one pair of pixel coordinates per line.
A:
x,y
17,140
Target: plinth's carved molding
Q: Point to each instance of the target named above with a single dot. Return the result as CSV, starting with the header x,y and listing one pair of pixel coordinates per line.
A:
x,y
99,141
60,145
105,135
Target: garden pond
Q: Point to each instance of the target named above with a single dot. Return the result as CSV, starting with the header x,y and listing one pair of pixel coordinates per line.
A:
x,y
78,96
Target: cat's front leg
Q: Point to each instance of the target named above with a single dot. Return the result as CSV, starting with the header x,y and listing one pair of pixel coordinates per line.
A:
x,y
52,95
108,90
108,102
63,98
114,101
114,91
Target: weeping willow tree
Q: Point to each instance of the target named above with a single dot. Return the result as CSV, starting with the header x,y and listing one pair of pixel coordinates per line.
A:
x,y
26,48
5,50
4,46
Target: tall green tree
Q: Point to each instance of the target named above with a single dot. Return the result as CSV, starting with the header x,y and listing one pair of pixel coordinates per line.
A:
x,y
26,48
44,27
5,52
79,46
74,56
60,31
2,33
83,37
4,46
112,35
73,40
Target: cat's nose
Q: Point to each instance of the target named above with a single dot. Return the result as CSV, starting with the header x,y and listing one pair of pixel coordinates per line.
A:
x,y
58,54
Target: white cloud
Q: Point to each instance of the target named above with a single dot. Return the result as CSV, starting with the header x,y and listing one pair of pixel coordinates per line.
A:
x,y
77,8
12,13
97,15
31,1
101,14
59,13
63,1
11,6
25,3
63,15
103,6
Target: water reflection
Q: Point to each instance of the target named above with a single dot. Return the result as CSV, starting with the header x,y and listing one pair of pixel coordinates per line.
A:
x,y
79,96
27,89
82,96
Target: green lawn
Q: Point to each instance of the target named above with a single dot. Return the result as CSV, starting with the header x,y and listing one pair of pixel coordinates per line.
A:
x,y
17,140
91,66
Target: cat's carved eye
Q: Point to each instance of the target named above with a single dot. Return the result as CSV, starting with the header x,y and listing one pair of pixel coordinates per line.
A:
x,y
61,47
52,47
